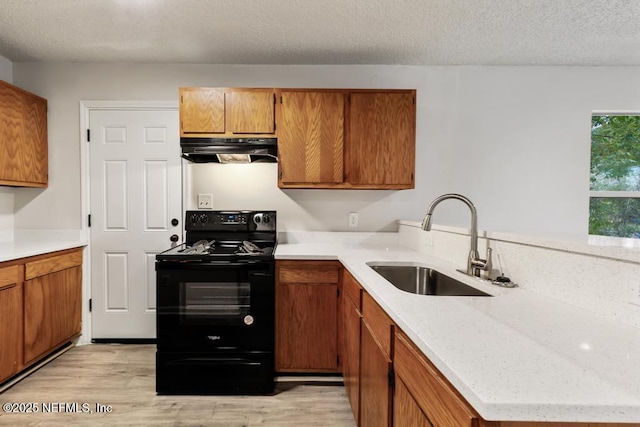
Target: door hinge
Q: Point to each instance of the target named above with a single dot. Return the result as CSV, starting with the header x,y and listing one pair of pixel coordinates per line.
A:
x,y
89,220
280,173
280,99
391,378
88,135
90,304
181,100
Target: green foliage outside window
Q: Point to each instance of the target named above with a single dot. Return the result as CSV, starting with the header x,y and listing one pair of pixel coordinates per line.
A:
x,y
615,166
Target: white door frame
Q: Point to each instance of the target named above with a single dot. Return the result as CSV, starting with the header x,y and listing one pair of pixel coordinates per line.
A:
x,y
85,179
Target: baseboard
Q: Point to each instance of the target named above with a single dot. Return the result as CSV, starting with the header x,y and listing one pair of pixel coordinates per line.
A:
x,y
123,340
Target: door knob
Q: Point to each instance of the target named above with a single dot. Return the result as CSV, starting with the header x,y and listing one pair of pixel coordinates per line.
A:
x,y
174,238
175,222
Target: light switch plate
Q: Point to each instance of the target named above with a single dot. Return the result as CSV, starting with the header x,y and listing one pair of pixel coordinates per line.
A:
x,y
205,201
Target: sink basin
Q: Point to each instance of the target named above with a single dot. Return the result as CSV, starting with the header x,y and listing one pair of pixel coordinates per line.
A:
x,y
425,281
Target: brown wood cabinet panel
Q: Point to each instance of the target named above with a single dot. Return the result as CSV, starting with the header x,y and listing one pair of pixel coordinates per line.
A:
x,y
250,111
9,275
53,311
381,139
375,390
51,265
306,327
308,272
352,289
379,322
406,412
11,340
23,138
436,397
350,352
311,137
202,111
553,424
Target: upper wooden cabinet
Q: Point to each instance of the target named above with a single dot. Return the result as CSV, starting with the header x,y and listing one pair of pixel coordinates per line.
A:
x,y
360,139
381,148
226,112
23,138
311,138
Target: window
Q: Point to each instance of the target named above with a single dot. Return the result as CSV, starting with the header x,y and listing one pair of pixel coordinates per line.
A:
x,y
614,206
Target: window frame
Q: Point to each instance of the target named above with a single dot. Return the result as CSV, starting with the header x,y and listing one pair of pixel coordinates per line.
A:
x,y
608,194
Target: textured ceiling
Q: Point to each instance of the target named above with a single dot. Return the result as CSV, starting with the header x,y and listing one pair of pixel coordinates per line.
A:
x,y
420,32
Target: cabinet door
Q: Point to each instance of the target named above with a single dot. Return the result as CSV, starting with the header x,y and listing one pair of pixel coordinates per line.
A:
x,y
23,138
53,311
307,316
311,137
381,141
250,111
202,111
437,399
11,322
375,390
406,412
306,327
350,352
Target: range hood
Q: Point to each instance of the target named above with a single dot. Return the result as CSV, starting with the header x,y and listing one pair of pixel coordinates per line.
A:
x,y
230,150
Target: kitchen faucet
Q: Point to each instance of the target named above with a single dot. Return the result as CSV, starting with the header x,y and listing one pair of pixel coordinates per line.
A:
x,y
475,265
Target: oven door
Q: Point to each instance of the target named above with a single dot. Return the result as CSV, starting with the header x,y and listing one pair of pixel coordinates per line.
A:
x,y
215,306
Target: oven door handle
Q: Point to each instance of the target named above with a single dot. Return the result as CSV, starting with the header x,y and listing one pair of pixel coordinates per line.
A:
x,y
208,361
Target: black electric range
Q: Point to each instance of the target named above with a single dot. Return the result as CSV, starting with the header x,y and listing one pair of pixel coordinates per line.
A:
x,y
216,305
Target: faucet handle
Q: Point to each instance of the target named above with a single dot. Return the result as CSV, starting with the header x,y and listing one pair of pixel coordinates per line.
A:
x,y
488,264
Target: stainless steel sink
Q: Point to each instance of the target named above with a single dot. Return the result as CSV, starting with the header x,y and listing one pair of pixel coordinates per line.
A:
x,y
424,281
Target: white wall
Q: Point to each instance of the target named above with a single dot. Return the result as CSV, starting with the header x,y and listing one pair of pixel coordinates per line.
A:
x,y
513,139
6,193
6,69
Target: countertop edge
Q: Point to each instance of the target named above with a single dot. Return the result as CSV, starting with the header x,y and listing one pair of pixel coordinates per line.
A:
x,y
14,250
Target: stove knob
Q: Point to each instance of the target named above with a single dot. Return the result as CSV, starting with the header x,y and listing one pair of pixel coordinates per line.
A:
x,y
193,218
204,218
266,218
257,219
248,320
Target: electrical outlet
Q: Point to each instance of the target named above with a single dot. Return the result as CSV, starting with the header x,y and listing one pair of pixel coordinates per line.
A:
x,y
353,219
205,201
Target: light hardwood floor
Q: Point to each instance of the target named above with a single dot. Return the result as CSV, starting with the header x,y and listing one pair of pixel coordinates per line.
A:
x,y
123,376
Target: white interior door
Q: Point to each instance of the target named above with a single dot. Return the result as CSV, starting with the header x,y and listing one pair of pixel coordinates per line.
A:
x,y
135,193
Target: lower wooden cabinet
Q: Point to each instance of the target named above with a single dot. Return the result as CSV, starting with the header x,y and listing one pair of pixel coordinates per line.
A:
x,y
376,368
420,381
10,322
406,411
40,307
307,316
350,321
53,311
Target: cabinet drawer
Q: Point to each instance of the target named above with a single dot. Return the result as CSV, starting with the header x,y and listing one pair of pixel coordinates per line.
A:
x,y
9,275
379,323
352,289
308,272
51,265
432,392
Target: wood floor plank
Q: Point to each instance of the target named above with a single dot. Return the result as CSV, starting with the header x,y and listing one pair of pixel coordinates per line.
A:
x,y
123,376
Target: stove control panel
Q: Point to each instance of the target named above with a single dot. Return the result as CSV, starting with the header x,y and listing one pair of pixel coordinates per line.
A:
x,y
230,220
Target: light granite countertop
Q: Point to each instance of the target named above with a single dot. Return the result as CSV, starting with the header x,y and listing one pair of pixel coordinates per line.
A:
x,y
518,356
12,250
